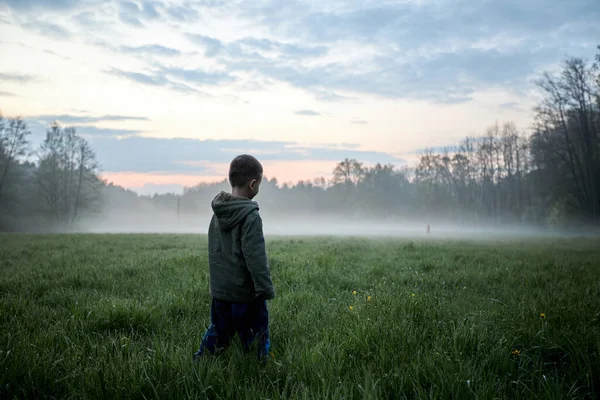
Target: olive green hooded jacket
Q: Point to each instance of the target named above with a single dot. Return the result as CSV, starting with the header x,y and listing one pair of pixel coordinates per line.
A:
x,y
237,258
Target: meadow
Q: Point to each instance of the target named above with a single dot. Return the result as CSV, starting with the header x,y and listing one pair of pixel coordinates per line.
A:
x,y
119,316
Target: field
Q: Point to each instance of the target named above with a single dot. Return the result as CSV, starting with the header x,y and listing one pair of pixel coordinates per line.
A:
x,y
119,316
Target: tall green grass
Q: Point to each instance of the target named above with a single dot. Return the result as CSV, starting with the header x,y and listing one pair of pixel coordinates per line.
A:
x,y
119,316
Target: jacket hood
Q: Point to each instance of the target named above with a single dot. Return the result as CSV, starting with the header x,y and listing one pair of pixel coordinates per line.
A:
x,y
230,210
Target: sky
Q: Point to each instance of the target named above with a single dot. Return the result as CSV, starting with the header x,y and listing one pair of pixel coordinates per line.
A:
x,y
168,92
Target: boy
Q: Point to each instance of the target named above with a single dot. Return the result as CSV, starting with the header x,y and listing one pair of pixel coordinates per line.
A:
x,y
240,277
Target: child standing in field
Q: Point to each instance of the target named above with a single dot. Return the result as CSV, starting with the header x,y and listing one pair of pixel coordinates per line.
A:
x,y
240,277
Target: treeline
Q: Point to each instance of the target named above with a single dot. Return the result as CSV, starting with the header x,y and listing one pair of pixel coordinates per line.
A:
x,y
54,190
548,178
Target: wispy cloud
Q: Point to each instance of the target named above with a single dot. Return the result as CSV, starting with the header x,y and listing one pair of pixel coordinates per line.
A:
x,y
82,119
130,13
164,78
7,94
38,124
52,53
330,96
197,76
151,49
359,122
256,48
152,80
18,78
96,131
48,29
42,4
130,20
182,13
308,113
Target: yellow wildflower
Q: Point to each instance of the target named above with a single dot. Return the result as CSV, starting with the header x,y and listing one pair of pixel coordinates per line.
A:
x,y
354,292
413,295
515,352
542,315
368,298
351,308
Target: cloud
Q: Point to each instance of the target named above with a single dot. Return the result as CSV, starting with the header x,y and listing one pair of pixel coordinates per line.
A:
x,y
149,10
52,53
135,14
38,128
17,78
287,49
163,77
69,119
447,77
130,20
474,46
411,23
182,13
343,48
151,80
436,51
151,49
95,131
38,124
86,18
212,46
44,4
157,155
48,29
252,48
198,76
7,94
330,96
359,122
130,13
308,113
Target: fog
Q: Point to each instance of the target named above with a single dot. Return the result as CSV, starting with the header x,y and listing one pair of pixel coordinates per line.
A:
x,y
160,222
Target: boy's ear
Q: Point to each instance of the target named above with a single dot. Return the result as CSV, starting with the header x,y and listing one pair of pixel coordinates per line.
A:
x,y
252,184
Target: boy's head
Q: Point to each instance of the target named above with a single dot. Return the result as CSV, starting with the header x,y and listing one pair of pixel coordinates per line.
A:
x,y
245,176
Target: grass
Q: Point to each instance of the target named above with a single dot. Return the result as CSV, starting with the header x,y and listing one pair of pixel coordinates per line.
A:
x,y
119,316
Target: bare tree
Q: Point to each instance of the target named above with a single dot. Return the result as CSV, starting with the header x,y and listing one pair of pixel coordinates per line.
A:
x,y
567,136
67,175
13,145
348,171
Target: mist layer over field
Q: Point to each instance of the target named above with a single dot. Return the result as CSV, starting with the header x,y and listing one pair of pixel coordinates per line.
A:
x,y
308,225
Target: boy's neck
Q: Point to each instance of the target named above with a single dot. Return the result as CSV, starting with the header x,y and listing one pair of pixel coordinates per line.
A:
x,y
240,192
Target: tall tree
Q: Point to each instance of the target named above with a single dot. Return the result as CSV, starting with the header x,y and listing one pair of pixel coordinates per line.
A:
x,y
14,145
348,171
67,175
567,136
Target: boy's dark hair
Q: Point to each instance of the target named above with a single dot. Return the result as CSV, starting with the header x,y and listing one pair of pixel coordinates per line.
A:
x,y
243,169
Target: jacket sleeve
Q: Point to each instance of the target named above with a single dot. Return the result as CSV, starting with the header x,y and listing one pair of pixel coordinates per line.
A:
x,y
253,247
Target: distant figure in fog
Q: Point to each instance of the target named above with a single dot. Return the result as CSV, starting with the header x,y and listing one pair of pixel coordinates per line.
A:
x,y
428,229
240,276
